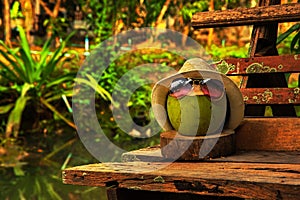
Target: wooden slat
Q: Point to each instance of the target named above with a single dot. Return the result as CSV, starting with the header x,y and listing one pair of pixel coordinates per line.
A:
x,y
271,95
153,154
247,16
265,64
269,134
244,180
291,157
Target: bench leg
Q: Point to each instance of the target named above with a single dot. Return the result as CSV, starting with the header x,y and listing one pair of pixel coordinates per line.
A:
x,y
111,194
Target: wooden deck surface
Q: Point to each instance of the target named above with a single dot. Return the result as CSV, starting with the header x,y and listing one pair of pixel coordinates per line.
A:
x,y
231,177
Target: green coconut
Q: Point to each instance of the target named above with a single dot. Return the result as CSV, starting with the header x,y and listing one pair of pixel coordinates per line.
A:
x,y
190,115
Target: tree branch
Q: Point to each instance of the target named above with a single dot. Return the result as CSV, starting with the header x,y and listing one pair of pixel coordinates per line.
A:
x,y
48,11
162,12
56,8
6,12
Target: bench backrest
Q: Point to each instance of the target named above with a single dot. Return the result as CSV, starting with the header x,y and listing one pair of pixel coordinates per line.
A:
x,y
260,133
266,64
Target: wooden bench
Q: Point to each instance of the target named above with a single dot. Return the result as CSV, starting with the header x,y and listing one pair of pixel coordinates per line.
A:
x,y
267,162
279,133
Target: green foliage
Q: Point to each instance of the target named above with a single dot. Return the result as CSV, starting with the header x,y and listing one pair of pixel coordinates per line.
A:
x,y
103,15
58,25
91,81
100,17
140,99
295,42
31,77
191,8
129,68
153,9
229,4
15,11
218,53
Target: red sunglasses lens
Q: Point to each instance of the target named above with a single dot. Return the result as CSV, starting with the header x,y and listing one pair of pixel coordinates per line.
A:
x,y
212,88
180,87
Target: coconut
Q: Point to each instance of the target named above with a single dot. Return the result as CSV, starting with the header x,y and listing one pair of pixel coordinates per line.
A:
x,y
190,115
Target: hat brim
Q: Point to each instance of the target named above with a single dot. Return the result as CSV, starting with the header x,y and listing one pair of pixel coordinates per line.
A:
x,y
161,89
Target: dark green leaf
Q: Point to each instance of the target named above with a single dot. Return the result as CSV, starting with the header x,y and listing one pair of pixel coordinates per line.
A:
x,y
294,42
61,79
25,46
14,118
284,35
16,71
5,108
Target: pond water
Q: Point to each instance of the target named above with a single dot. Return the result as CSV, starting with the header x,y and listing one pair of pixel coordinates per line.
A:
x,y
34,177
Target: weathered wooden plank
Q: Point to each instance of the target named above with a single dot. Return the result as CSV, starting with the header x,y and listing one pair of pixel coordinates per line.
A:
x,y
283,157
247,16
269,134
149,154
265,64
245,180
291,157
271,95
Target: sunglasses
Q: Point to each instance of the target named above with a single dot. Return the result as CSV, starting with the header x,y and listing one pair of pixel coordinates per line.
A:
x,y
213,88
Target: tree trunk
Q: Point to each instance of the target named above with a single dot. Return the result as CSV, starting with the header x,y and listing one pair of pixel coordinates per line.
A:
x,y
29,17
162,12
7,31
211,30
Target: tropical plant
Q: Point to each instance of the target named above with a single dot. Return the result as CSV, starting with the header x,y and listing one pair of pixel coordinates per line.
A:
x,y
120,79
15,11
28,78
92,82
295,42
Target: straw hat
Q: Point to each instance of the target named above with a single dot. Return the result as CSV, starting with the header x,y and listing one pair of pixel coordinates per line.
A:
x,y
197,68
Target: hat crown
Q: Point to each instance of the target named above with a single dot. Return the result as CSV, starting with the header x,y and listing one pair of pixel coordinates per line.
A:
x,y
195,64
197,68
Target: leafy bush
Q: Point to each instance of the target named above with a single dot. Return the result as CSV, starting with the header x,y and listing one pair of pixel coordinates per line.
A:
x,y
125,78
218,53
32,79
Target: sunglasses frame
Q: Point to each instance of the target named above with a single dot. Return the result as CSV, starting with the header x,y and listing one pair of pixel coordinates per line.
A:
x,y
196,81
